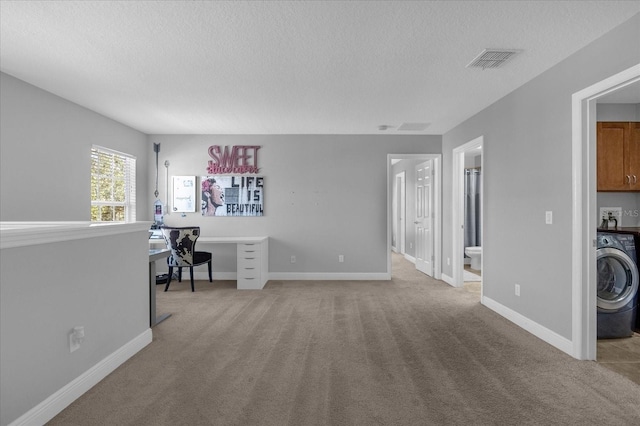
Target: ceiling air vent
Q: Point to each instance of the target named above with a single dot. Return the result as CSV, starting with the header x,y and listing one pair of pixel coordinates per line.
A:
x,y
413,127
492,58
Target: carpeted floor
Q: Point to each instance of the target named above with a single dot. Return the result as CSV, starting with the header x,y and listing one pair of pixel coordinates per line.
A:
x,y
412,351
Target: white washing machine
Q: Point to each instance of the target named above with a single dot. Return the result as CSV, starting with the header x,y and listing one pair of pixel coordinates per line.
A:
x,y
618,281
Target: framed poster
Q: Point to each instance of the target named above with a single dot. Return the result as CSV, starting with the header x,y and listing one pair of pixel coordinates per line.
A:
x,y
184,194
232,195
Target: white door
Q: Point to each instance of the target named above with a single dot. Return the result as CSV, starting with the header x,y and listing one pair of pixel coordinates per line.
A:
x,y
424,217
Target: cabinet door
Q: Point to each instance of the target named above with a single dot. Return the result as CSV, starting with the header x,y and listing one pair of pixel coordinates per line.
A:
x,y
613,158
634,156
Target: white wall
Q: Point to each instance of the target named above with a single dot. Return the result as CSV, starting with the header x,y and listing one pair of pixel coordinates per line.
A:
x,y
45,146
324,195
527,171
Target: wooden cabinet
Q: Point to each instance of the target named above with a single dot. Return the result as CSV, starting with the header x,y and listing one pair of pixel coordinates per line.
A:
x,y
618,154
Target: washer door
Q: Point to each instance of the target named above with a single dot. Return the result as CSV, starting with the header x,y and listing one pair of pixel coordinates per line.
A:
x,y
617,278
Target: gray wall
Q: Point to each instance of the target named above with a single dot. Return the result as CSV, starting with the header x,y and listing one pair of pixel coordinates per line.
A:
x,y
45,146
324,195
527,170
618,112
45,291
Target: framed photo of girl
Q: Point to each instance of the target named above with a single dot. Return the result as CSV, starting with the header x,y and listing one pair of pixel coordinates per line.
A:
x,y
232,195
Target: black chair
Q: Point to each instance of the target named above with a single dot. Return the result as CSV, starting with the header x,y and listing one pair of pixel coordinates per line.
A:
x,y
182,243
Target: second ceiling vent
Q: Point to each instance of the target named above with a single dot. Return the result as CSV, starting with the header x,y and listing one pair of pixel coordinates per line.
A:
x,y
493,58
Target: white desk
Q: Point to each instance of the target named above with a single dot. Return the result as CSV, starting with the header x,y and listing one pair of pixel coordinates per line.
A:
x,y
252,257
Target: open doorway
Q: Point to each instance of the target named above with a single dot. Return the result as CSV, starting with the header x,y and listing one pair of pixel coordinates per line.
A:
x,y
402,177
585,217
467,157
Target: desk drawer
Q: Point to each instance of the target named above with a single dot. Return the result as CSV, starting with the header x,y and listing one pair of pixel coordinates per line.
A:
x,y
250,250
252,265
249,263
248,274
249,278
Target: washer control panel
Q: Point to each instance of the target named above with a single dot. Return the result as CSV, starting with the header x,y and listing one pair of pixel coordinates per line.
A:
x,y
624,242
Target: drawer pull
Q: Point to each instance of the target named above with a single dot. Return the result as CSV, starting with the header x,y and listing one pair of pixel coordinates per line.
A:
x,y
249,268
249,258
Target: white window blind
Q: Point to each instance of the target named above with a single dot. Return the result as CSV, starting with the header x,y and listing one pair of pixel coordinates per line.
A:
x,y
113,186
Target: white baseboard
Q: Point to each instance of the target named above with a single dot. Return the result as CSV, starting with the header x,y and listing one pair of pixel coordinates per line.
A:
x,y
299,276
551,337
410,258
205,275
329,276
50,407
447,279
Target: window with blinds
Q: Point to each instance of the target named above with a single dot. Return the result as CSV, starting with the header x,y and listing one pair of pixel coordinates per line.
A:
x,y
113,186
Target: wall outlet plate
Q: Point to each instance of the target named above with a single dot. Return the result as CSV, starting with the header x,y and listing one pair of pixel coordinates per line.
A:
x,y
616,212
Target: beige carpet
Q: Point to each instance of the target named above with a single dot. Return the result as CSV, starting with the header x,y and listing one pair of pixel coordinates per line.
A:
x,y
412,351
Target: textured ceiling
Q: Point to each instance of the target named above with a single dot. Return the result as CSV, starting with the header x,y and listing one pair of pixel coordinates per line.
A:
x,y
294,67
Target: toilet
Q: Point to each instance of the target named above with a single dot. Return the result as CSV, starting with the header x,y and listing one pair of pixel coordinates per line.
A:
x,y
475,253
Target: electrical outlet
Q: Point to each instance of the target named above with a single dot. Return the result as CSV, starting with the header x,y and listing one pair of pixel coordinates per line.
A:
x,y
341,258
293,259
517,289
76,337
448,261
410,245
548,216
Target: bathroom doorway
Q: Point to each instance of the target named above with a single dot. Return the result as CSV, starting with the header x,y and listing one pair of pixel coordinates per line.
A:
x,y
467,217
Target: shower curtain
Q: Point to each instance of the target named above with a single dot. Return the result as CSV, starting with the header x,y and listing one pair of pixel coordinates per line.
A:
x,y
472,229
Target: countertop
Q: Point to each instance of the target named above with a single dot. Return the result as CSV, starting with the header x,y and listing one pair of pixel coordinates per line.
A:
x,y
635,230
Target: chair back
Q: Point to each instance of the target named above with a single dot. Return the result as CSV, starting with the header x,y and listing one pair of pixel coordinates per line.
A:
x,y
182,243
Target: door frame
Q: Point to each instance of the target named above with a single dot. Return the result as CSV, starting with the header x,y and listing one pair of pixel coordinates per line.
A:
x,y
437,207
400,212
458,207
583,206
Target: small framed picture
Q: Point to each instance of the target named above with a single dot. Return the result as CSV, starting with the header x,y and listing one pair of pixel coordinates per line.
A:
x,y
184,194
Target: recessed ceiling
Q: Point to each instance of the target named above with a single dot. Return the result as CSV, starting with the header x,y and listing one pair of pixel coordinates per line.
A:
x,y
291,67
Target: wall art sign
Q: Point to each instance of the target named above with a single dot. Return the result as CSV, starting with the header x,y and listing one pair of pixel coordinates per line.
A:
x,y
232,195
184,193
237,159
